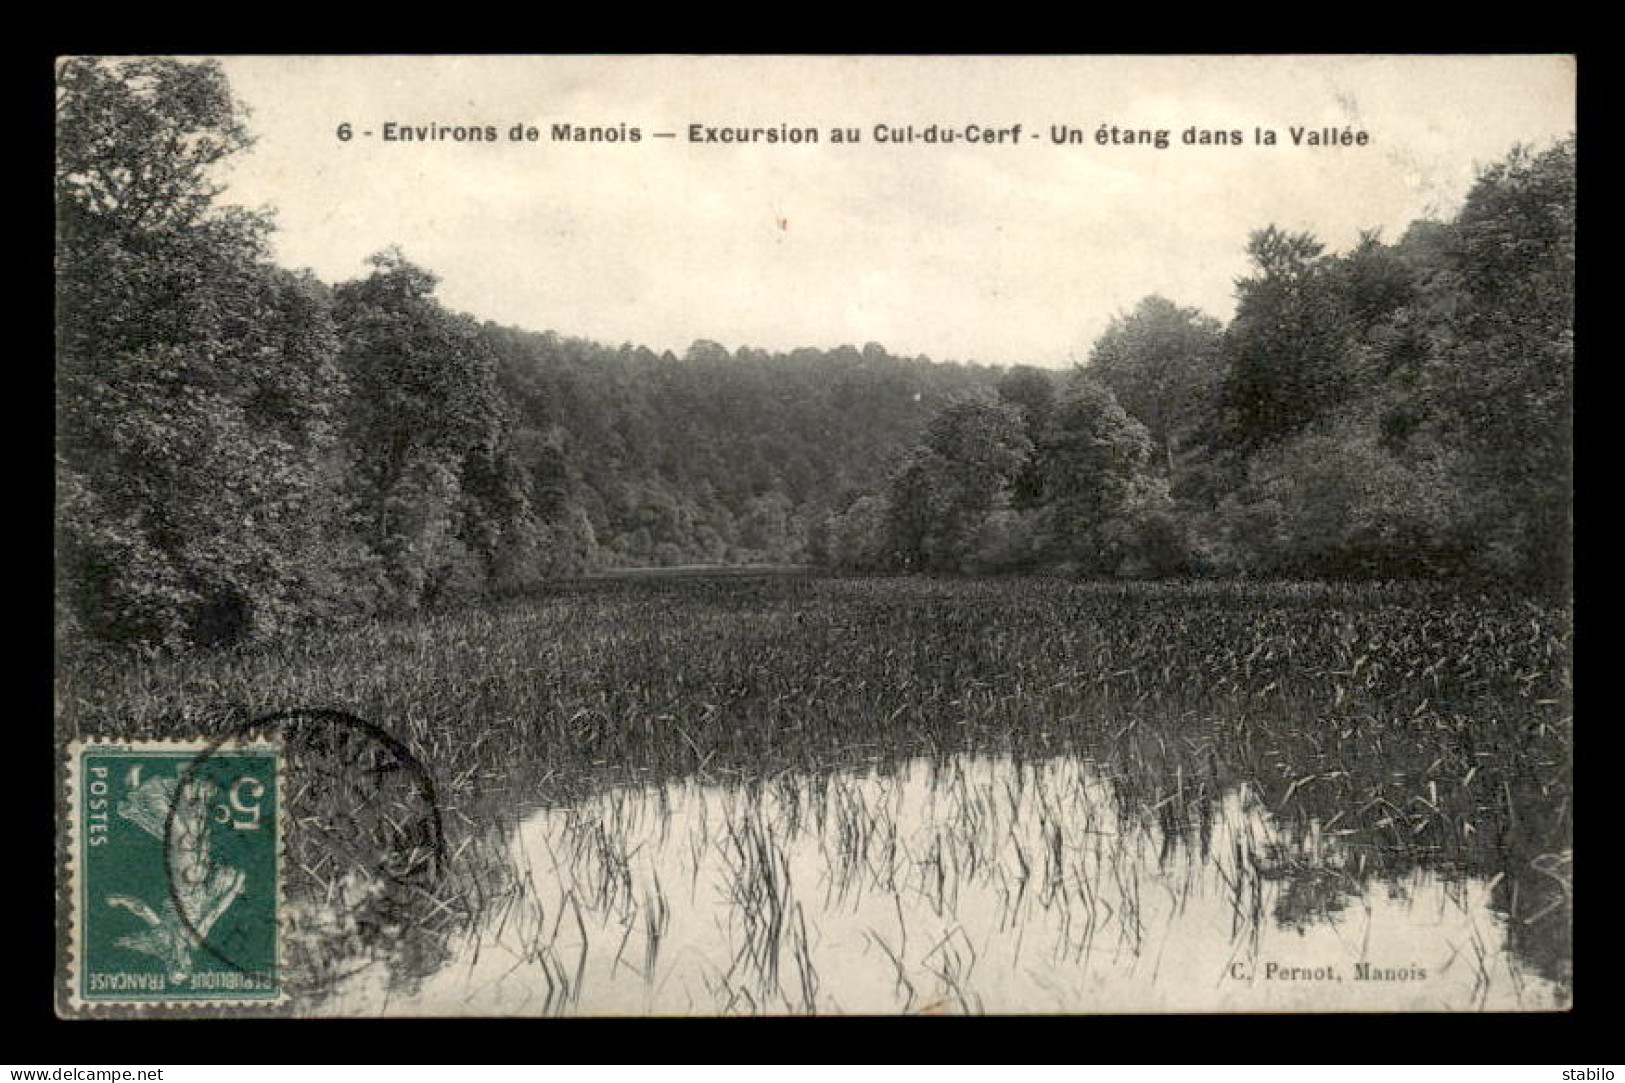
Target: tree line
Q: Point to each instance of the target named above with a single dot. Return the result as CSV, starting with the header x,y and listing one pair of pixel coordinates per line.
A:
x,y
244,449
1397,410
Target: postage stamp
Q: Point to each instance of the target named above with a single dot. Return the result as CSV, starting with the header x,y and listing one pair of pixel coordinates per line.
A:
x,y
175,872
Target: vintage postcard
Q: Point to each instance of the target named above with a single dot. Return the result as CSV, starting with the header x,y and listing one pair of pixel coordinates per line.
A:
x,y
746,535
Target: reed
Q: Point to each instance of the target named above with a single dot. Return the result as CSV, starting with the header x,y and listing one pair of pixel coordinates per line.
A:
x,y
1379,730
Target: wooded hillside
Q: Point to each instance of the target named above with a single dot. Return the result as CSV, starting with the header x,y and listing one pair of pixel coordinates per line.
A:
x,y
243,448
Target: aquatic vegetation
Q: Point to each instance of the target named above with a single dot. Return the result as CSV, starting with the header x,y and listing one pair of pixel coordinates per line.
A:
x,y
1310,752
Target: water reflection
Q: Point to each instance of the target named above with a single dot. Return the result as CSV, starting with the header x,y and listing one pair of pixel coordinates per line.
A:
x,y
978,884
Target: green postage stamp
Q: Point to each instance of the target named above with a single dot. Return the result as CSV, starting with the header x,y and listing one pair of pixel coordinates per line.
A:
x,y
174,886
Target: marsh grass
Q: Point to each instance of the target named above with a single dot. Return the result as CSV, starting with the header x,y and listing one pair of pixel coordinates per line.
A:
x,y
1383,729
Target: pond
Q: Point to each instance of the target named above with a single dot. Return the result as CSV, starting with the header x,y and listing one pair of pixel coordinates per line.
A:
x,y
972,883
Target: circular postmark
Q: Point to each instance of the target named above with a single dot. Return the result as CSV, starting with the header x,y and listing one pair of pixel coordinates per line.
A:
x,y
361,853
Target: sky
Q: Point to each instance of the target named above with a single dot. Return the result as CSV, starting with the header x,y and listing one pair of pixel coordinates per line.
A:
x,y
1004,253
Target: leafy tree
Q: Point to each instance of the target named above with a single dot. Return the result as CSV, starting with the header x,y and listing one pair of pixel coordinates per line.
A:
x,y
1032,391
438,494
136,142
1097,462
1287,346
972,453
856,539
1163,364
195,381
1336,503
1503,368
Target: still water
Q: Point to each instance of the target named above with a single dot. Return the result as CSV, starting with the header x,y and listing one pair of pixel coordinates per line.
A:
x,y
975,884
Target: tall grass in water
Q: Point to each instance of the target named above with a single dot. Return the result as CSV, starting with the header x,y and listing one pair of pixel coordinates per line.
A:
x,y
1411,728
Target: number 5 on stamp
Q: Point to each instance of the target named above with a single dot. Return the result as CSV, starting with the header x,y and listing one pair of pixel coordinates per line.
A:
x,y
175,873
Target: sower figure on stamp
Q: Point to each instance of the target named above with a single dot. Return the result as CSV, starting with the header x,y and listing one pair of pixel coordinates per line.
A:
x,y
204,890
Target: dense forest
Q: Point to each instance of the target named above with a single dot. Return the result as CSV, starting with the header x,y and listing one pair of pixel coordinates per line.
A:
x,y
243,449
636,458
